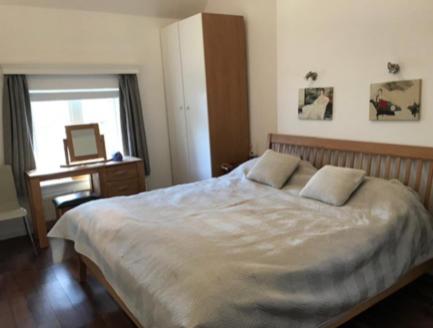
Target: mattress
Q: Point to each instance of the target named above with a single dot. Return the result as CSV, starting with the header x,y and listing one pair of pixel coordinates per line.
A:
x,y
229,252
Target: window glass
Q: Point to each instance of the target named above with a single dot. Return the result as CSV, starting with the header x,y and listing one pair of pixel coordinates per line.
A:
x,y
51,116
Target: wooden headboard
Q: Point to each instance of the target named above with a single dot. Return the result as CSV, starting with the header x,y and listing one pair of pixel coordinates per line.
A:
x,y
412,165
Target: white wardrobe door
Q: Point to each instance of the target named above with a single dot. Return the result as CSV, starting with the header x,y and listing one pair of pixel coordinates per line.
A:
x,y
175,104
194,82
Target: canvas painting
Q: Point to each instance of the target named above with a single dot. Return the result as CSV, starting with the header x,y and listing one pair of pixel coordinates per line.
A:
x,y
316,103
395,101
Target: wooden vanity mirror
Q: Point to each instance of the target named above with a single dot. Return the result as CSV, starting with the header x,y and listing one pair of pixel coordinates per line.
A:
x,y
84,143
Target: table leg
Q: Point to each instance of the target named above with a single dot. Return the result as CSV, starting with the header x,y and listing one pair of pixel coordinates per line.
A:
x,y
82,269
37,209
141,177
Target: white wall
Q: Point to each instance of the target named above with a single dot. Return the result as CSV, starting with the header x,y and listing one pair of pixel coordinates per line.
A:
x,y
67,37
349,44
260,16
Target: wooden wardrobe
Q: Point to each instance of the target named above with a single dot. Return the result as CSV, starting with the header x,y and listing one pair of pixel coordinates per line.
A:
x,y
205,71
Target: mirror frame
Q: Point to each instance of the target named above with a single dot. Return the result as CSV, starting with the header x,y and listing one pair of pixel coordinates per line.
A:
x,y
100,144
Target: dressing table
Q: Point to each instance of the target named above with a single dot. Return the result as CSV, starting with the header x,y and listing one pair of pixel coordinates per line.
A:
x,y
108,178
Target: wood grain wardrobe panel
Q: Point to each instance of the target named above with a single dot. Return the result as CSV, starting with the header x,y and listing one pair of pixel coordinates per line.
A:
x,y
227,85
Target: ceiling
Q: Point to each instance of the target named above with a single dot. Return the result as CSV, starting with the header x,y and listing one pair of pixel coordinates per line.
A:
x,y
152,8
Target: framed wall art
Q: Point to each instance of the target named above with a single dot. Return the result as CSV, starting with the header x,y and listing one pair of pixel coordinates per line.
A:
x,y
316,104
395,101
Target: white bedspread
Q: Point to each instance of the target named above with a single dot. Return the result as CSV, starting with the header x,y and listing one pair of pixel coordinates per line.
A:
x,y
229,252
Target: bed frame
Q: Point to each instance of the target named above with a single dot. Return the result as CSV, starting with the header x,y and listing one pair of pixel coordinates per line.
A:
x,y
412,165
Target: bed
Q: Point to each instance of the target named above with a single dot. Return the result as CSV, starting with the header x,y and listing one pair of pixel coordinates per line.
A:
x,y
228,252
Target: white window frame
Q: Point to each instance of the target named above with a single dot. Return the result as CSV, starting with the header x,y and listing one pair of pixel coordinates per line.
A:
x,y
72,87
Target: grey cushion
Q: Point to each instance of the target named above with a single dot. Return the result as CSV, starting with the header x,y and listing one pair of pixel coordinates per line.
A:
x,y
299,178
273,168
333,185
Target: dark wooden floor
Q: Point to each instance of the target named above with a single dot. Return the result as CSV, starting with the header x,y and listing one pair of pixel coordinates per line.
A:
x,y
34,292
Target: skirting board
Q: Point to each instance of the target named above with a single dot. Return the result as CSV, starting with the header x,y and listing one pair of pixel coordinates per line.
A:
x,y
12,229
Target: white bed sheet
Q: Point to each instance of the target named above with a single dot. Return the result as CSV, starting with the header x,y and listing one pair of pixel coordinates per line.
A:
x,y
229,252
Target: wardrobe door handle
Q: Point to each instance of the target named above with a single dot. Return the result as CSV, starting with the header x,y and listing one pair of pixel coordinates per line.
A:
x,y
187,107
181,107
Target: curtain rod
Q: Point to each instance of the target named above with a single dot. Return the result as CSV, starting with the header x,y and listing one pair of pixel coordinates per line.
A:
x,y
88,69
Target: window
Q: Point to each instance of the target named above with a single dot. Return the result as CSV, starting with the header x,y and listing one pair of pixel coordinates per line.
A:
x,y
57,102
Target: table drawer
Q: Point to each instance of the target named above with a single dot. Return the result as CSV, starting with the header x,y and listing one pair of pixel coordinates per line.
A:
x,y
122,187
121,172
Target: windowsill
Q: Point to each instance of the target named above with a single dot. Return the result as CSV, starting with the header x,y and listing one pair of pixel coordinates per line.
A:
x,y
58,183
63,186
64,182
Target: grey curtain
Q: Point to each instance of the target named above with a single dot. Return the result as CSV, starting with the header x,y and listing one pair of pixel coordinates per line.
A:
x,y
131,119
18,129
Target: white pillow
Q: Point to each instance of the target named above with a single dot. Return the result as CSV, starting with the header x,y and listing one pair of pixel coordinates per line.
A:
x,y
273,168
333,185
